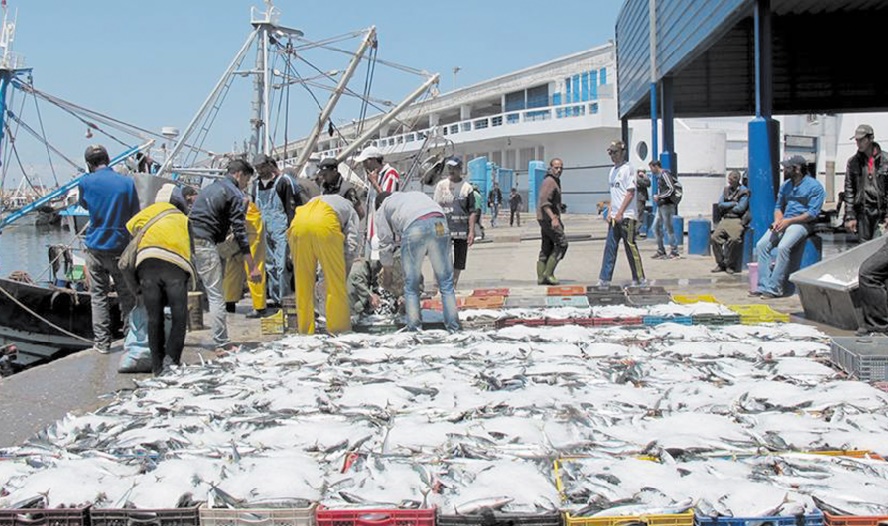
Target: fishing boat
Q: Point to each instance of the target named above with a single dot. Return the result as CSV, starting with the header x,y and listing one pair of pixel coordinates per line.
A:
x,y
50,319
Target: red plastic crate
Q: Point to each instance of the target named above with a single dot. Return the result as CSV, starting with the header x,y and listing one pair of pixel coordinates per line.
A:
x,y
566,290
484,302
560,321
852,520
437,305
614,322
491,292
376,517
45,517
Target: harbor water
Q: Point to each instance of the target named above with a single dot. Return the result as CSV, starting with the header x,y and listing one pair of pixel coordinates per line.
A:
x,y
26,247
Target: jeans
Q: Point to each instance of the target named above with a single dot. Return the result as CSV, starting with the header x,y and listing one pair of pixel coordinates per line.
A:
x,y
625,231
513,215
665,213
163,284
494,211
102,266
430,237
209,267
873,274
771,280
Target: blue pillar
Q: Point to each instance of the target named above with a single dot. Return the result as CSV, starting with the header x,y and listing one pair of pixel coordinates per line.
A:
x,y
479,174
668,157
763,173
699,230
536,170
678,224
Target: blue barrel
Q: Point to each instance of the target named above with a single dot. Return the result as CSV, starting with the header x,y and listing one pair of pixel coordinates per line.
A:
x,y
678,225
809,255
699,230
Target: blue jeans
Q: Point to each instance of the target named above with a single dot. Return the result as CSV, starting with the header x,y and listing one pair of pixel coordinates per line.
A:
x,y
771,280
665,213
494,211
625,231
431,237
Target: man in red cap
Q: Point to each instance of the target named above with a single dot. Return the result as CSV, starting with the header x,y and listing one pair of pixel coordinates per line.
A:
x,y
866,182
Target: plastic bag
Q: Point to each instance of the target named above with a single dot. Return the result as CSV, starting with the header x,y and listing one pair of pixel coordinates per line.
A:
x,y
136,353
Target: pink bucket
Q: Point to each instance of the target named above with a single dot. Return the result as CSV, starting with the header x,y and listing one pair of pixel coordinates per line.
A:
x,y
753,270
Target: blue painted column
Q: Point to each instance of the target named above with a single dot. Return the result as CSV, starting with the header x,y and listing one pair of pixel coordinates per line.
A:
x,y
764,132
479,174
536,171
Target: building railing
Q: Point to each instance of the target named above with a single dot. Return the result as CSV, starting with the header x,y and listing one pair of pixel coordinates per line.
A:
x,y
561,111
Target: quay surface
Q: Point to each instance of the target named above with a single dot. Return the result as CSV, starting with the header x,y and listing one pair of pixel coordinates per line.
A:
x,y
85,381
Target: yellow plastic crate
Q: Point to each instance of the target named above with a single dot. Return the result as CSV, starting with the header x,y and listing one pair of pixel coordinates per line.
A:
x,y
752,314
676,519
686,299
852,453
273,324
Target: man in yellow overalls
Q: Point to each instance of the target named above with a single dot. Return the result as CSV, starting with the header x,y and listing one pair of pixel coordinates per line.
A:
x,y
325,229
236,268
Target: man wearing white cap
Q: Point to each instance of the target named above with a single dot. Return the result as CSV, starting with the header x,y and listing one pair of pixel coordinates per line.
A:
x,y
381,176
798,204
866,181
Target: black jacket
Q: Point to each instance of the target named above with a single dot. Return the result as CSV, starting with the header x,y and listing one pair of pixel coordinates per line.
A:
x,y
219,208
854,183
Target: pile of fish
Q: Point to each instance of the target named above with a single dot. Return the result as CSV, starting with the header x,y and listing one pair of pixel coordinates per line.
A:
x,y
660,418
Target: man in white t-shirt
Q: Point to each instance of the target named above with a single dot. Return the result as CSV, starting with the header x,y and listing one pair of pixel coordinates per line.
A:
x,y
621,216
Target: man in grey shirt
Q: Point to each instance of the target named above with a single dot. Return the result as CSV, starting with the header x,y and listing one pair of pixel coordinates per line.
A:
x,y
421,226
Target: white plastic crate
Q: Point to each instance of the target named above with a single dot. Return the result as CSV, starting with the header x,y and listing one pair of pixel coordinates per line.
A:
x,y
864,358
258,516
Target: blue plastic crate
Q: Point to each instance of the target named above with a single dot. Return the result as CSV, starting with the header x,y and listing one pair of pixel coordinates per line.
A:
x,y
656,320
567,301
813,519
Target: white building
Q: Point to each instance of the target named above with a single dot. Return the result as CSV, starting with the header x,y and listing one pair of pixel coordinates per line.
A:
x,y
566,108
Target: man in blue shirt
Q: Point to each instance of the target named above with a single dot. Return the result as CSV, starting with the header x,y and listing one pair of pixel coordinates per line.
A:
x,y
798,205
111,200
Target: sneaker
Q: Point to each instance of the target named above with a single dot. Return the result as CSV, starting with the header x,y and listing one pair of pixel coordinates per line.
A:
x,y
768,296
719,269
226,349
673,255
659,255
730,271
603,285
753,293
101,350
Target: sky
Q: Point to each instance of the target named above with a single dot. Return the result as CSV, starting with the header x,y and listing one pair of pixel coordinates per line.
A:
x,y
152,63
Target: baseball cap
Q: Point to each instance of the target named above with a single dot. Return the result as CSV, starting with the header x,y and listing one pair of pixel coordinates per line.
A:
x,y
795,160
453,161
370,152
95,151
862,131
329,163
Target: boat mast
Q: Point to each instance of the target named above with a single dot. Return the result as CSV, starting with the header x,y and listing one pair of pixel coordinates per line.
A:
x,y
11,66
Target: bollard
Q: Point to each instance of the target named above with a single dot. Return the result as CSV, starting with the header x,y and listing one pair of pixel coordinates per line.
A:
x,y
809,254
748,246
699,230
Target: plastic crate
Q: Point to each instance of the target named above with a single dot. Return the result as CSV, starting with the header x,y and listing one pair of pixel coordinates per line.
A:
x,y
525,302
752,314
716,319
484,302
375,517
501,519
145,517
45,517
853,520
560,321
509,322
657,320
675,519
812,519
864,358
567,301
566,290
616,322
851,453
610,296
686,299
491,292
647,296
273,324
258,516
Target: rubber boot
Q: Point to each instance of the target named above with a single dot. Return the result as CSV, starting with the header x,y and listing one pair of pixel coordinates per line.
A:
x,y
541,272
550,271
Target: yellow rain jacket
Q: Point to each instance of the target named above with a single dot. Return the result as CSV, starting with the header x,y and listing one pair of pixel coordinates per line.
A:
x,y
167,239
236,268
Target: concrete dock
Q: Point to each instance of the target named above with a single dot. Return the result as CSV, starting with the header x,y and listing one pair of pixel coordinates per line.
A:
x,y
85,381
